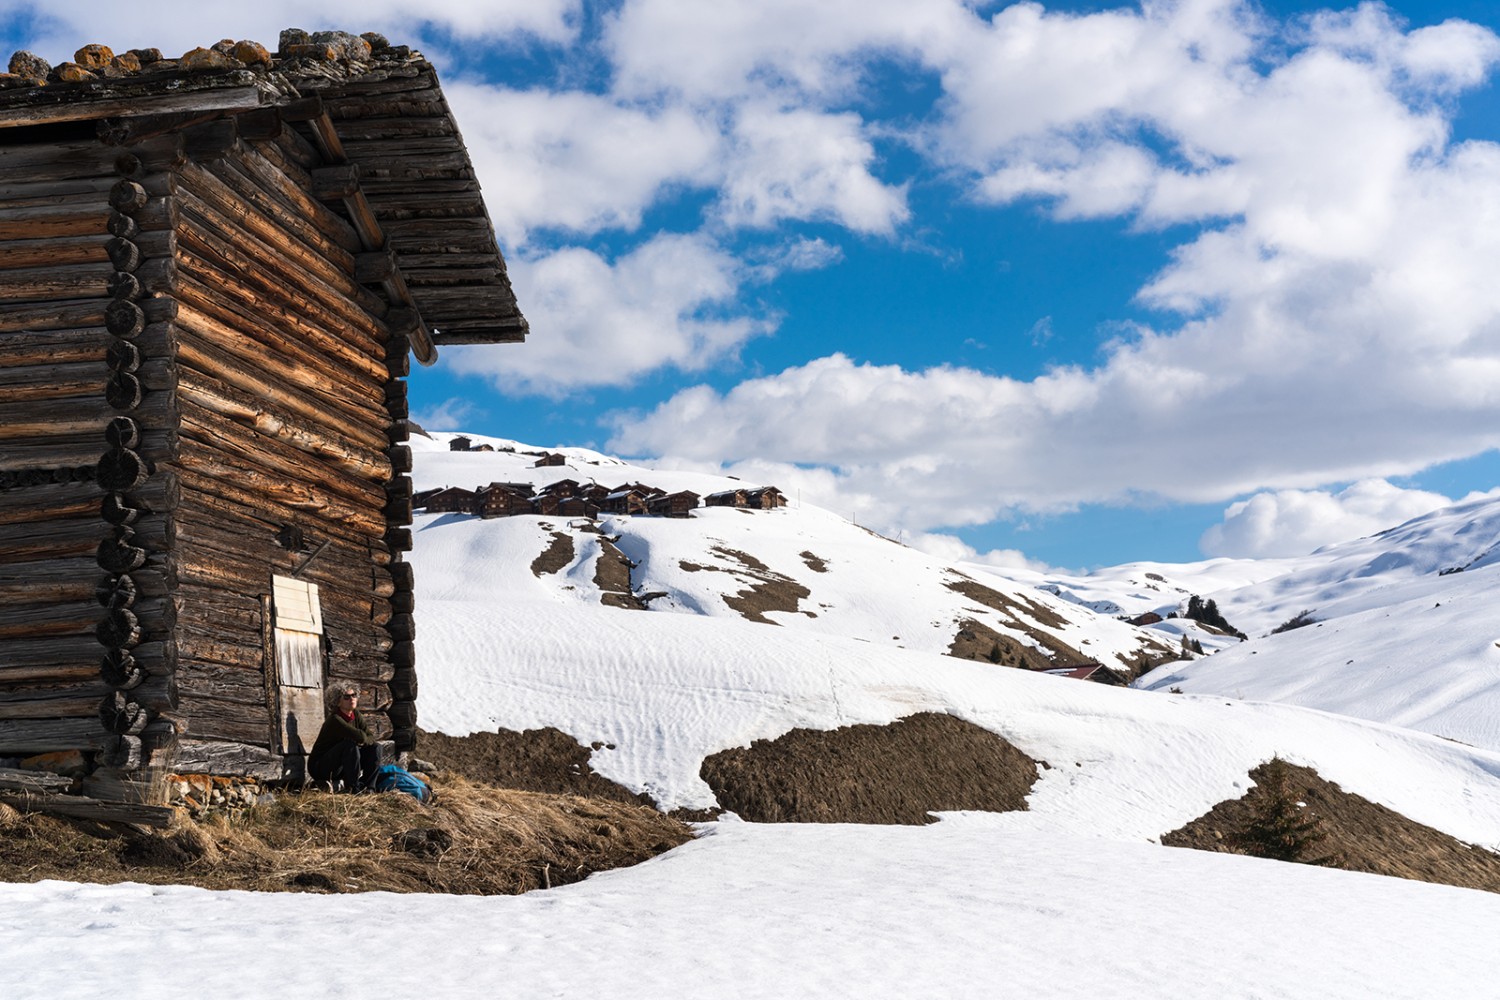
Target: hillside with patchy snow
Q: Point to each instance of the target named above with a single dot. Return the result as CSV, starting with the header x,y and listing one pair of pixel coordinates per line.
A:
x,y
517,634
799,567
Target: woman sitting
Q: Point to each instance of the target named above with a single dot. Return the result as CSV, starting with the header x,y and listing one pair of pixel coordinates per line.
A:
x,y
345,749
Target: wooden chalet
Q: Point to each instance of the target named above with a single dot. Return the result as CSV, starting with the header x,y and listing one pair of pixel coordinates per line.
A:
x,y
451,500
563,488
213,273
679,504
524,489
765,498
460,443
728,498
550,458
500,501
577,507
624,501
758,498
419,499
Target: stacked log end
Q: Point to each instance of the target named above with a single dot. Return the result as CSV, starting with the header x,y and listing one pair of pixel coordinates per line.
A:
x,y
137,627
398,511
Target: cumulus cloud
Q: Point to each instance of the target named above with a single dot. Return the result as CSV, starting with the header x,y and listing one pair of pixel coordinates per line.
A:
x,y
578,161
451,414
1338,317
804,164
955,551
1296,522
670,302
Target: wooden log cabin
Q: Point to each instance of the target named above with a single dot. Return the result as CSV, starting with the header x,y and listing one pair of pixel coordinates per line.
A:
x,y
213,274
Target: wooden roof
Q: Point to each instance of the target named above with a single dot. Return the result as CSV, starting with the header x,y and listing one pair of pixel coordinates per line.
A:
x,y
387,116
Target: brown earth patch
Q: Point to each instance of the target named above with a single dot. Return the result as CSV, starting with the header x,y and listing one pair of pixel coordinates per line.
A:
x,y
536,760
977,641
770,591
1026,615
1016,607
769,595
612,577
814,563
475,839
1361,835
896,773
557,555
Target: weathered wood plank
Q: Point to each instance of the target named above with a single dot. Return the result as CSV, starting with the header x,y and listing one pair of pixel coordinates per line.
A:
x,y
82,807
14,780
54,104
206,757
18,736
37,316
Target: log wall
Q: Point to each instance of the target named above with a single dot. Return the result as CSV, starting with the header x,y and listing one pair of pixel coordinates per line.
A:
x,y
282,386
197,391
80,288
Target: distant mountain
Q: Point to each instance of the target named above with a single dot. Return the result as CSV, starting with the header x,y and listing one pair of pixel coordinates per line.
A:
x,y
1400,627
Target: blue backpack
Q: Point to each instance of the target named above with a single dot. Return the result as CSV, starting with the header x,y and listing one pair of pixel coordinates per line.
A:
x,y
391,778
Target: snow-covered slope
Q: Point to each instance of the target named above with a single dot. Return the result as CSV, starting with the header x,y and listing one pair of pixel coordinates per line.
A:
x,y
1407,630
800,567
502,645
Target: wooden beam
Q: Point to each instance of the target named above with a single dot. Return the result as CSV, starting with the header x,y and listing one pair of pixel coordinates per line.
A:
x,y
47,107
82,807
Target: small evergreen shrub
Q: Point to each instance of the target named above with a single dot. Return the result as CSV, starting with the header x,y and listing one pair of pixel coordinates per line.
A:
x,y
1278,828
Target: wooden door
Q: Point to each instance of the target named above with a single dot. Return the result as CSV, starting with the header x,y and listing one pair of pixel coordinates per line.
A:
x,y
298,644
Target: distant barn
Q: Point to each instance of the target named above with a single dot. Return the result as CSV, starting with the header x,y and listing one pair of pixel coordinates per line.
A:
x,y
213,273
679,504
758,498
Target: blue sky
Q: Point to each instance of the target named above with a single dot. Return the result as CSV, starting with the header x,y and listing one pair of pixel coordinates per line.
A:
x,y
1082,282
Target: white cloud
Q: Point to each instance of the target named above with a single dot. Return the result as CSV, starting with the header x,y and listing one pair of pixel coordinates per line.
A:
x,y
452,414
806,54
578,161
955,551
669,302
807,165
1341,319
1296,522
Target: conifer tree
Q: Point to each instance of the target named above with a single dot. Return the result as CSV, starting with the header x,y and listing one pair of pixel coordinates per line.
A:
x,y
1277,827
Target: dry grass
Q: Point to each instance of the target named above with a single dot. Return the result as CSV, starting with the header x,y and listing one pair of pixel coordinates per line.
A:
x,y
476,840
896,773
1361,835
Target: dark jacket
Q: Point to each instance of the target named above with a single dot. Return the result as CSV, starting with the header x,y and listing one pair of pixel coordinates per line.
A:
x,y
336,729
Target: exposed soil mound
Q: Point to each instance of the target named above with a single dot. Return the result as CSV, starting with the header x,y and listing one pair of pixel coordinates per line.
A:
x,y
815,563
1361,835
474,840
896,773
537,760
984,643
